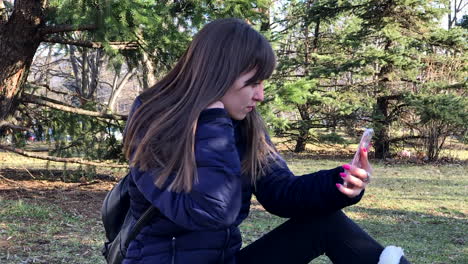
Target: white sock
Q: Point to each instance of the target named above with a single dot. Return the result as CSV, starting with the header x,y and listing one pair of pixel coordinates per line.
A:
x,y
391,255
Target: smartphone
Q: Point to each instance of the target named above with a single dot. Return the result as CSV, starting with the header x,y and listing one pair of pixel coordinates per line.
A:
x,y
364,143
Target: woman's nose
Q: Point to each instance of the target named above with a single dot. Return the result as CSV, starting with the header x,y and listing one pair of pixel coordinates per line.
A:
x,y
259,93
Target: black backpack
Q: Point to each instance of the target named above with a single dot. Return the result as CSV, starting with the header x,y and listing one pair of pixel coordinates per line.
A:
x,y
117,221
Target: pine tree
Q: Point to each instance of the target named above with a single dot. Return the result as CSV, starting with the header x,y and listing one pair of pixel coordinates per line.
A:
x,y
155,32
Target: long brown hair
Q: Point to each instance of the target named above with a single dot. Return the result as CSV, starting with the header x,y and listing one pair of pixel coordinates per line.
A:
x,y
161,133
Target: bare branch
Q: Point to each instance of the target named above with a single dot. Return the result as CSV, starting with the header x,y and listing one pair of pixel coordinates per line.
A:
x,y
44,101
460,7
13,126
66,28
80,43
58,159
90,44
47,87
404,138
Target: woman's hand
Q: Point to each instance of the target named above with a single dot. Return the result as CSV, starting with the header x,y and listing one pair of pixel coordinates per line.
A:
x,y
355,179
217,104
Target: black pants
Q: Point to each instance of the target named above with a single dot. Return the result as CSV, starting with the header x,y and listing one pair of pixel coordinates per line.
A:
x,y
299,240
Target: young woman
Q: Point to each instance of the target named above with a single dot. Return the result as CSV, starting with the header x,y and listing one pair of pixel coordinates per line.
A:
x,y
198,150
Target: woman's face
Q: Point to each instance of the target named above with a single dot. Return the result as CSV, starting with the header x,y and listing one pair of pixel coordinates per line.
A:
x,y
241,98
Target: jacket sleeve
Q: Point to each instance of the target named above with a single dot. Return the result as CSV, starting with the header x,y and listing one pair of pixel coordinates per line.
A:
x,y
215,199
286,195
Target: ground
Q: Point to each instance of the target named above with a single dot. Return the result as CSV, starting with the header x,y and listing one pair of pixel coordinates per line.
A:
x,y
47,216
84,198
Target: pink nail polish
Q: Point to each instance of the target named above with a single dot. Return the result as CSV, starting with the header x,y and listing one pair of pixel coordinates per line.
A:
x,y
346,167
343,175
364,149
338,185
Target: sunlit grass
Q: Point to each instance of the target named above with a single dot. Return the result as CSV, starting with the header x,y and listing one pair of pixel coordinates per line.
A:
x,y
420,208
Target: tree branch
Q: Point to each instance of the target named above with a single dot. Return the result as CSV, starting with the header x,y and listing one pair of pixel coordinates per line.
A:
x,y
58,159
44,101
13,127
80,43
90,44
66,28
47,87
394,140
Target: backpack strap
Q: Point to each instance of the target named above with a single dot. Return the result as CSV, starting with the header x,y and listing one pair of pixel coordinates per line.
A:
x,y
143,221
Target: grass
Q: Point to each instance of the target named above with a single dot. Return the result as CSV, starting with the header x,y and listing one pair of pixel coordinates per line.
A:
x,y
33,233
422,208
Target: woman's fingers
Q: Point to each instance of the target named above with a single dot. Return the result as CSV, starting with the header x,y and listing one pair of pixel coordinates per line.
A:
x,y
355,171
352,181
355,179
348,191
364,158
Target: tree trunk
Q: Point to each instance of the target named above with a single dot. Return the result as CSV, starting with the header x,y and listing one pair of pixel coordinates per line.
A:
x,y
117,89
303,137
301,141
19,40
381,126
304,127
148,72
382,120
84,76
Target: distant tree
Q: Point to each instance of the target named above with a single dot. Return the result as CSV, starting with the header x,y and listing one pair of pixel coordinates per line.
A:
x,y
439,117
463,22
309,81
456,7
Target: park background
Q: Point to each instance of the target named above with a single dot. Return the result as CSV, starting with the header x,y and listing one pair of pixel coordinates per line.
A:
x,y
69,71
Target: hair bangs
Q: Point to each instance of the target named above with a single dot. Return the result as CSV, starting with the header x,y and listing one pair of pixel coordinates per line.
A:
x,y
264,61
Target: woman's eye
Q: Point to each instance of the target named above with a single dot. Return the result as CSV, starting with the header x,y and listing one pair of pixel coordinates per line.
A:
x,y
253,85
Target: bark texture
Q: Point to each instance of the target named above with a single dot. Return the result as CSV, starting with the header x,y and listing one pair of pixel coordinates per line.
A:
x,y
20,37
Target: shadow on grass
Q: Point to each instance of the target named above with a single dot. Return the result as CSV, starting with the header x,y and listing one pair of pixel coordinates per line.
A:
x,y
71,175
403,216
446,181
70,192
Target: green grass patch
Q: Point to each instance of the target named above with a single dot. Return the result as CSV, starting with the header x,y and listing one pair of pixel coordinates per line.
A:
x,y
419,208
33,233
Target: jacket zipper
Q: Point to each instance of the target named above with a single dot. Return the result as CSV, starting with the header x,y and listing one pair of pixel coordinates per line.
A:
x,y
173,250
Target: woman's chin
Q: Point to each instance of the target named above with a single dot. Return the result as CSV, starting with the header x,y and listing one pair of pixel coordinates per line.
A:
x,y
238,117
